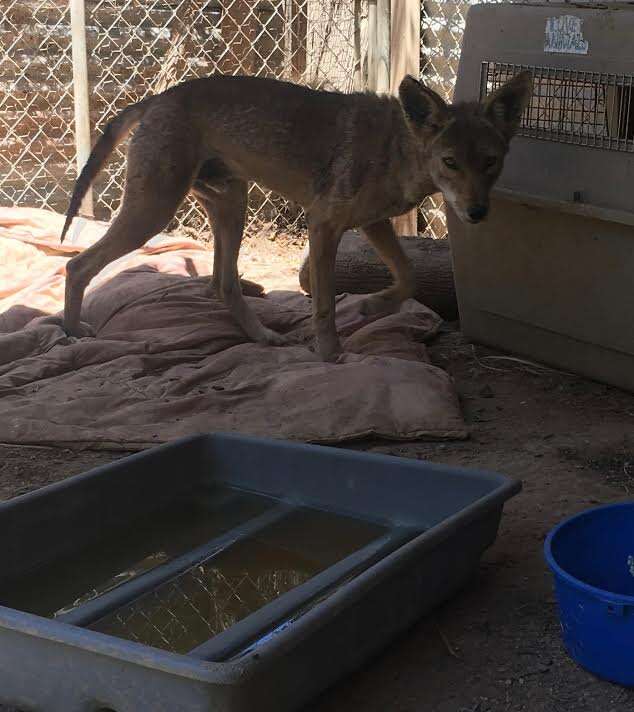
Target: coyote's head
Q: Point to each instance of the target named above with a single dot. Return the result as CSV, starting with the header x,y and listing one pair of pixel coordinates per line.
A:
x,y
464,145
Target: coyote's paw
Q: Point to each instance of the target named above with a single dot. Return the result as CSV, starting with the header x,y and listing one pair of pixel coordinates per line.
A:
x,y
329,350
272,338
377,304
80,331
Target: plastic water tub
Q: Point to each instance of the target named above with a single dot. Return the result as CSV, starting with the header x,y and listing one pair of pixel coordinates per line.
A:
x,y
591,556
143,640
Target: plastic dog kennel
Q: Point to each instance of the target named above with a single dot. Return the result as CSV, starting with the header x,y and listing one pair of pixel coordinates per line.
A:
x,y
550,273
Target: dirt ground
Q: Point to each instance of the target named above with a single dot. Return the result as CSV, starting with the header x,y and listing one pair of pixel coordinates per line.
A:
x,y
495,646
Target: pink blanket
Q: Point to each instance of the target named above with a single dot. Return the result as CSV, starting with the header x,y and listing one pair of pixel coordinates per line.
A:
x,y
168,359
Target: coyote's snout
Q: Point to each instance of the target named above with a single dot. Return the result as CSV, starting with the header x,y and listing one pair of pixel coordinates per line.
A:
x,y
351,160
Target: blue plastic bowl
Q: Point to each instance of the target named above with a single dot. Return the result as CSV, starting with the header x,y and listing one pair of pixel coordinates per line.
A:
x,y
591,556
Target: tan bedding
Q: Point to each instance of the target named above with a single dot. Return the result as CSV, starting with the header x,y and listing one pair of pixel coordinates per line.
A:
x,y
168,359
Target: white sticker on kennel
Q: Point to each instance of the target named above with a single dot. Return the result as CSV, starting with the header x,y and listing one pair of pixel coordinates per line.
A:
x,y
564,35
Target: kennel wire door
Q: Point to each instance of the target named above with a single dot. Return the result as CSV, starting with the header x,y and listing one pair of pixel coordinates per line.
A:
x,y
582,108
549,274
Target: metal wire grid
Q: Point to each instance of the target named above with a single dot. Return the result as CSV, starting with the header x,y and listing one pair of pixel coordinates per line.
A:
x,y
570,106
36,104
235,581
198,605
142,46
137,47
144,49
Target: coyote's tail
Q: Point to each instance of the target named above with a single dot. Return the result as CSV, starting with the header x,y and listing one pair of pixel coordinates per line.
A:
x,y
114,132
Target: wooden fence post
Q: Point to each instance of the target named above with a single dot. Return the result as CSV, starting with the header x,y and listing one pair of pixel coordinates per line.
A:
x,y
358,79
80,93
383,49
405,59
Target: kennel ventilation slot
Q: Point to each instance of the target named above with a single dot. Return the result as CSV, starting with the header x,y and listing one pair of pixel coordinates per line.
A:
x,y
572,106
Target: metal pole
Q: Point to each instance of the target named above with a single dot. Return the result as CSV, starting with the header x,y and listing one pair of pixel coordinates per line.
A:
x,y
80,92
405,59
382,58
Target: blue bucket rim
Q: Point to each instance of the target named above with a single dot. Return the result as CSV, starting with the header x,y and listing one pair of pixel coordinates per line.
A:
x,y
600,593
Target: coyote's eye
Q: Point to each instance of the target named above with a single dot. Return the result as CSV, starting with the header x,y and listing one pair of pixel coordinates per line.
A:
x,y
490,161
450,163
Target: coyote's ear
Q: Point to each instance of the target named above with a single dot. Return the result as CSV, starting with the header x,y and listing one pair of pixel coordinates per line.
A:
x,y
424,108
505,106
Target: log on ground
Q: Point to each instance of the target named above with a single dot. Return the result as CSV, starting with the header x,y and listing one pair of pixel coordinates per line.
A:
x,y
359,270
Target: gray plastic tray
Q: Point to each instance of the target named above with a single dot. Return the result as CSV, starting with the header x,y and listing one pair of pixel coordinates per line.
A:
x,y
436,522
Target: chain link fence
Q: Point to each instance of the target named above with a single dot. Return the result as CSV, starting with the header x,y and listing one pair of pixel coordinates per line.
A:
x,y
37,150
137,47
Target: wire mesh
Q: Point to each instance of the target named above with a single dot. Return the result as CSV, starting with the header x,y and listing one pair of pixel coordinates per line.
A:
x,y
201,603
570,106
210,597
37,149
139,47
142,48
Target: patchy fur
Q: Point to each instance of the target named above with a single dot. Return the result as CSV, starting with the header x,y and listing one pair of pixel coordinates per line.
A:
x,y
351,160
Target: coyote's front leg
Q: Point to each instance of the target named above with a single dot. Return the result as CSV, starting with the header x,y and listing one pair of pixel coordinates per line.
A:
x,y
323,241
383,238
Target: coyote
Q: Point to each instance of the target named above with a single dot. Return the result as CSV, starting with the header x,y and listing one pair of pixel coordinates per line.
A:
x,y
350,160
